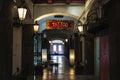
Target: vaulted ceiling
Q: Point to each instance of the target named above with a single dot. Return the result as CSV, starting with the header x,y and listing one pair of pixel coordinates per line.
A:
x,y
57,1
58,34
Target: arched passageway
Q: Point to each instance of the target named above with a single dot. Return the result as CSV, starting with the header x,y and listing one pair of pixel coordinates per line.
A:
x,y
57,42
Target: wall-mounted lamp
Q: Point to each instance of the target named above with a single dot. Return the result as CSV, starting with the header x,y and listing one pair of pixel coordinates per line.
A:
x,y
66,40
36,27
22,10
80,28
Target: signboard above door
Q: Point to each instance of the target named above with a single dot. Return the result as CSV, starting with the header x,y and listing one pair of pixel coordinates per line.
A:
x,y
60,24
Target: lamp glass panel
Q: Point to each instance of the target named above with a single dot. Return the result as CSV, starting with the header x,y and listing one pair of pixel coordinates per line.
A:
x,y
22,13
36,28
80,28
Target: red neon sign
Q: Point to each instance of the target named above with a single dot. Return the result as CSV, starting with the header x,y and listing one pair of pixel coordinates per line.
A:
x,y
59,24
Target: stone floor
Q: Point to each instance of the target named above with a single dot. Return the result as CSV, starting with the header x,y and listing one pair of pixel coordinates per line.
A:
x,y
62,72
62,77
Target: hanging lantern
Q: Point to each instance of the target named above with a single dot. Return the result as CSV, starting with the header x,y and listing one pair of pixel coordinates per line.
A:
x,y
22,13
36,27
22,10
80,28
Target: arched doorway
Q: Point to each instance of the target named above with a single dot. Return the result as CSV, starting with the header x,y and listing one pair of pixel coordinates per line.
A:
x,y
61,27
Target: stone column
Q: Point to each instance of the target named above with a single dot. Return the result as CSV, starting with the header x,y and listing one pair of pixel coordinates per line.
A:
x,y
17,48
114,38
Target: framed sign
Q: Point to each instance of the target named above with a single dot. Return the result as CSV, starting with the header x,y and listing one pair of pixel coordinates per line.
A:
x,y
60,24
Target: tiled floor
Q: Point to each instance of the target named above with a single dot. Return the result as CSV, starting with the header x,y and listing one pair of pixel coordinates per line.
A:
x,y
62,77
62,72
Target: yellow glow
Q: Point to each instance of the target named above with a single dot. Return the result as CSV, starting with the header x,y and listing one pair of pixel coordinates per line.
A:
x,y
72,56
72,77
44,55
50,41
22,13
72,70
66,40
44,76
36,28
80,28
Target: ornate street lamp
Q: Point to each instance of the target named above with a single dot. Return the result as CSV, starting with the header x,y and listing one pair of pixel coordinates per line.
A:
x,y
22,10
80,28
36,27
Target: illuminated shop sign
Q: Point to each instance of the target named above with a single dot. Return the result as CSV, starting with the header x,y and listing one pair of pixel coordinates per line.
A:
x,y
60,24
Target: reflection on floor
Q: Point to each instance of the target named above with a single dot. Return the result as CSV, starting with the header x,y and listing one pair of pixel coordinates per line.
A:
x,y
63,64
62,72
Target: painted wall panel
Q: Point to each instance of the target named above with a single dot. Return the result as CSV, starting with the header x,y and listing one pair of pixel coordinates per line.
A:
x,y
104,58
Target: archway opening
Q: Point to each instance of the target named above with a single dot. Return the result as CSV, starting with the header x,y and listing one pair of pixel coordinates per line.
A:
x,y
56,43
